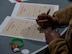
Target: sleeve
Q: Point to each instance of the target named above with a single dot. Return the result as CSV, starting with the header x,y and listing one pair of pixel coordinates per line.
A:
x,y
58,46
68,36
64,15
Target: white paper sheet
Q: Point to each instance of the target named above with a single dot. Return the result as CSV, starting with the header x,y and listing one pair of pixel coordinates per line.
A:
x,y
19,27
32,10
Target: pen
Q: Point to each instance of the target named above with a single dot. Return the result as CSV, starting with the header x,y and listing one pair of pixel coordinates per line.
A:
x,y
48,11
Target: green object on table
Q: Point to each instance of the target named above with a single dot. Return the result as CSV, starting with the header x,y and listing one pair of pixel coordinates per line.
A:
x,y
17,39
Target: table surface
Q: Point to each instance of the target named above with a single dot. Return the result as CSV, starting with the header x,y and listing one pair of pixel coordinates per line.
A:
x,y
31,45
6,9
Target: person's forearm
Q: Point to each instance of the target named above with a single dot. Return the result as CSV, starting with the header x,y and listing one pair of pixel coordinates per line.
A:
x,y
64,15
58,46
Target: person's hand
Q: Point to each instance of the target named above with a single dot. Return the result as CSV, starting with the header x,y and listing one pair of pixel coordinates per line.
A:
x,y
45,20
51,35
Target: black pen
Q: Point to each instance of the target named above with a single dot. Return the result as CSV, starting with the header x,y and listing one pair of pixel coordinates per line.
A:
x,y
48,11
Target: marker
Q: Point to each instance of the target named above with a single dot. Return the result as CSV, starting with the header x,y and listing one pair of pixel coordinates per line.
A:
x,y
48,11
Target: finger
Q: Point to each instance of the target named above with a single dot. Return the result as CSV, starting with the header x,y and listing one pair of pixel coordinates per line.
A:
x,y
44,22
42,16
41,21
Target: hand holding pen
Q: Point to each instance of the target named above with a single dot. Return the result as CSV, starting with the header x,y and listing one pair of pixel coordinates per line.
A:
x,y
45,20
45,17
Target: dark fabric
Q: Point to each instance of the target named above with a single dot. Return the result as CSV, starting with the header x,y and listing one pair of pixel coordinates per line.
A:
x,y
58,46
63,46
64,15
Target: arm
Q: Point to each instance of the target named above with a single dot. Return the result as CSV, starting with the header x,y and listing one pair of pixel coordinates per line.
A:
x,y
57,45
60,17
64,15
68,36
